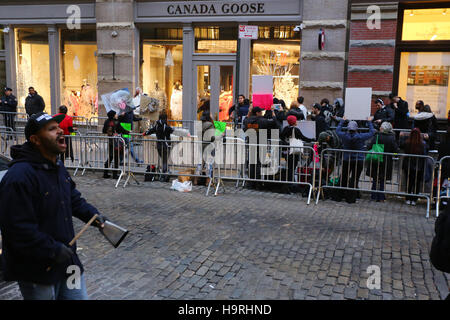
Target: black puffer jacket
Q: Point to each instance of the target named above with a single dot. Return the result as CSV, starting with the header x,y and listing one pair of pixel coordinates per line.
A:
x,y
34,104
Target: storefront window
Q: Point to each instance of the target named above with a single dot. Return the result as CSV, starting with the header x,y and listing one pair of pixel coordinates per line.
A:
x,y
33,64
426,24
278,58
162,74
216,40
79,72
425,76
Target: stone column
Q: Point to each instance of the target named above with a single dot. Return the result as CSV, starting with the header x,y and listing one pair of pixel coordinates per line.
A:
x,y
244,66
10,50
189,96
54,47
115,34
322,72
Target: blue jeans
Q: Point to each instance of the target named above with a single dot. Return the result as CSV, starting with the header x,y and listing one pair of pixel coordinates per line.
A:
x,y
130,145
58,291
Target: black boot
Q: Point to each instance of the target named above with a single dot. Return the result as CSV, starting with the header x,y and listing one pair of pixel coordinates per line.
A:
x,y
106,175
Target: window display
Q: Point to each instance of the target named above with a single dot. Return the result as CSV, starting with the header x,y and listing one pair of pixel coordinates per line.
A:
x,y
162,75
425,76
33,64
79,72
216,40
426,24
281,62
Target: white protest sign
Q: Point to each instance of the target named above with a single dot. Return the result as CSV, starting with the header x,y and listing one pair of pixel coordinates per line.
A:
x,y
262,84
307,128
248,32
357,103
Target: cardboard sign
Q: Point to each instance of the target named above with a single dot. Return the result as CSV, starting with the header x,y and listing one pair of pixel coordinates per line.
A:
x,y
357,103
308,128
262,84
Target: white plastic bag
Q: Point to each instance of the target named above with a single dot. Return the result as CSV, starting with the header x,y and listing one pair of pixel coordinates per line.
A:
x,y
181,186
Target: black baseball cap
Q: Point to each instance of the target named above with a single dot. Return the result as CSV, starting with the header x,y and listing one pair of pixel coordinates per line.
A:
x,y
255,110
38,120
8,89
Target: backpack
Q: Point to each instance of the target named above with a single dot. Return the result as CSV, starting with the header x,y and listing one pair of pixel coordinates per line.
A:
x,y
440,246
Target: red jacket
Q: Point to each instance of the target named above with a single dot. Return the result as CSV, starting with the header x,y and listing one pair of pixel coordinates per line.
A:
x,y
66,124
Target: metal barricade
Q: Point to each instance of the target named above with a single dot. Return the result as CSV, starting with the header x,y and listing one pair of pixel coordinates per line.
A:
x,y
406,175
443,181
164,158
100,152
13,119
265,163
94,122
80,122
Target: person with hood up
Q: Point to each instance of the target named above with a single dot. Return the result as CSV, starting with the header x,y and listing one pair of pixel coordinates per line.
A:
x,y
329,140
163,132
353,162
426,122
381,171
34,102
39,199
338,112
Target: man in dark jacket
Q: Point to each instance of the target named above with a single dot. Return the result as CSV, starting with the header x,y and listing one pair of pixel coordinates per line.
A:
x,y
38,200
8,103
242,110
401,111
34,102
383,113
319,118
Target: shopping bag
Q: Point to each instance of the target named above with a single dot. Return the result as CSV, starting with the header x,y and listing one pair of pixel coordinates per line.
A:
x,y
181,186
375,148
295,143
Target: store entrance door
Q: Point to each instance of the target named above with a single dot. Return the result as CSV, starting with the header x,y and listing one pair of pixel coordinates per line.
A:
x,y
214,80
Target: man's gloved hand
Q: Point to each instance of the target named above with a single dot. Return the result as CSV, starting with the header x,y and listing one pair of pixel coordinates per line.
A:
x,y
99,221
64,254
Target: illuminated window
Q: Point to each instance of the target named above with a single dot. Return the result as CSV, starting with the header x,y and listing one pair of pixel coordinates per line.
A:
x,y
425,76
79,72
33,64
426,24
2,74
216,40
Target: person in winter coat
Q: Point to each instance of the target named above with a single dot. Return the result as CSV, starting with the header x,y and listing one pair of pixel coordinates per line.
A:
x,y
67,126
319,118
242,110
353,162
8,104
208,136
39,199
163,132
296,111
401,111
383,113
444,151
329,140
338,112
302,108
381,171
286,134
115,146
426,122
34,102
414,167
127,119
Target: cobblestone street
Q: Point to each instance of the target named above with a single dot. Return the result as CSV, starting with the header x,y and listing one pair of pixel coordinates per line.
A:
x,y
252,245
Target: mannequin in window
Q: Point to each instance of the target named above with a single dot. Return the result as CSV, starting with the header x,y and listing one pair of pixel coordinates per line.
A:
x,y
176,101
159,94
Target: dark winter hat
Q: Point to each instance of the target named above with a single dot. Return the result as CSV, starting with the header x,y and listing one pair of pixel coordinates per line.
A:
x,y
111,114
352,126
291,120
317,106
380,101
8,89
38,120
323,137
255,110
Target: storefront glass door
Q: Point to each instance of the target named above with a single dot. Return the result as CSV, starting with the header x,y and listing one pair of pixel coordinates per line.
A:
x,y
214,80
